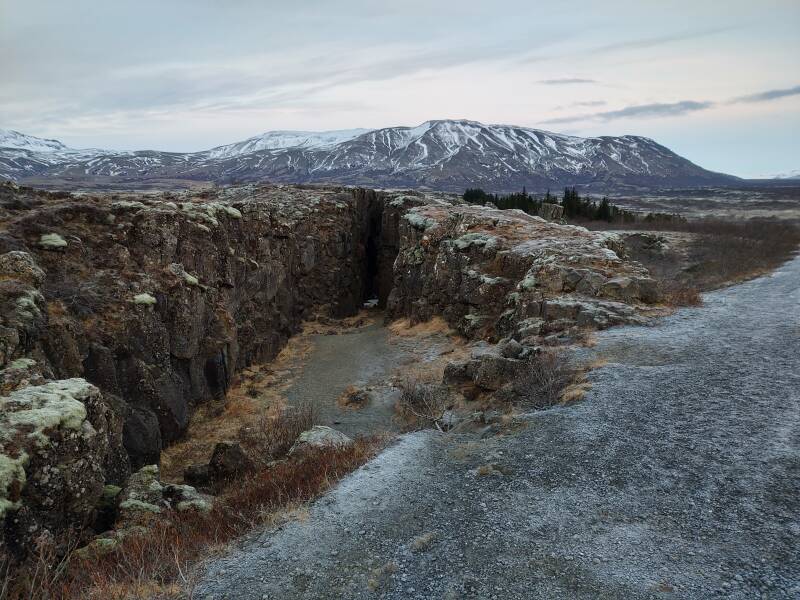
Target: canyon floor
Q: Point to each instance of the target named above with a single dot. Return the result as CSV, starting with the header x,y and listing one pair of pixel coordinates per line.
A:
x,y
675,477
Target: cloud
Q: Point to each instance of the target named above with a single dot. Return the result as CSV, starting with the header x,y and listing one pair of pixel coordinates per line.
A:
x,y
767,95
590,103
628,45
655,110
653,42
566,81
672,109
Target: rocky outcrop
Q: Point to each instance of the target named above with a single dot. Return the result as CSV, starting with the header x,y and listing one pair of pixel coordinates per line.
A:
x,y
495,274
60,443
160,299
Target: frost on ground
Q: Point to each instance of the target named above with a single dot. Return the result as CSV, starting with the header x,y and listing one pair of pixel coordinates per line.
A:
x,y
676,477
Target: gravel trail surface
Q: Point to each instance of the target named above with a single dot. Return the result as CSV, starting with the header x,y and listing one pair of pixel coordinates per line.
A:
x,y
358,357
677,477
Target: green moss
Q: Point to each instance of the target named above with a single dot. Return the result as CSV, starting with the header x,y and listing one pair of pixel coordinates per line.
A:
x,y
418,221
52,240
37,409
144,299
528,283
478,239
12,475
138,505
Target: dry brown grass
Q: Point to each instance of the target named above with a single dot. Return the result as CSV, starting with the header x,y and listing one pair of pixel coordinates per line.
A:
x,y
423,401
256,395
574,392
715,253
353,397
159,563
543,383
271,437
404,327
678,293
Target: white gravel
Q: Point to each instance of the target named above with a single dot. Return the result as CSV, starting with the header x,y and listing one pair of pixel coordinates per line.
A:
x,y
677,477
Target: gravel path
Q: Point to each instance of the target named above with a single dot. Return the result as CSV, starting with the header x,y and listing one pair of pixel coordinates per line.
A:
x,y
359,357
677,477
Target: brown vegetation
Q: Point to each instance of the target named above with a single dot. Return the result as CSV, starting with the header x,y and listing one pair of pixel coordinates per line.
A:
x,y
545,382
270,438
720,252
158,562
423,401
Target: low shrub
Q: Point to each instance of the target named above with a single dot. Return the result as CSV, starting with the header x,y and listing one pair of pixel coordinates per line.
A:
x,y
543,383
270,438
422,403
158,563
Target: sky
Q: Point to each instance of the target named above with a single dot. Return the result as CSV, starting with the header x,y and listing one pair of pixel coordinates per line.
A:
x,y
716,81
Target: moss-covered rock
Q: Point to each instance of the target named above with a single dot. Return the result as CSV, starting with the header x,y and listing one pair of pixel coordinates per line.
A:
x,y
59,442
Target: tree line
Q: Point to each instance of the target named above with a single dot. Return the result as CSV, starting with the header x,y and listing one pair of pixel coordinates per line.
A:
x,y
576,207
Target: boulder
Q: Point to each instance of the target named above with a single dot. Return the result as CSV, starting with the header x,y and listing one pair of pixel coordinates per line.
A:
x,y
60,443
492,273
145,497
511,349
228,461
318,437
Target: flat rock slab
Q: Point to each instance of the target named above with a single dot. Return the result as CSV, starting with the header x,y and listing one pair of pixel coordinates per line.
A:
x,y
676,477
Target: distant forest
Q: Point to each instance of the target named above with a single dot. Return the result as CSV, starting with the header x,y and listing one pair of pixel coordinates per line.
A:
x,y
576,207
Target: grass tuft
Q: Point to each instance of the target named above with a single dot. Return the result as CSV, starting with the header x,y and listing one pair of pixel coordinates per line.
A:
x,y
158,563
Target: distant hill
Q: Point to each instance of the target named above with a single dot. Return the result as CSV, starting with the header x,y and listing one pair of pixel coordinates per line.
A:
x,y
446,155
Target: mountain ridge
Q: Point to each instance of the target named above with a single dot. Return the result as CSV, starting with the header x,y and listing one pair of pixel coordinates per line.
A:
x,y
444,154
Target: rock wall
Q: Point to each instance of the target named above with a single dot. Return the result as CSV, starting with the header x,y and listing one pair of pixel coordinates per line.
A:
x,y
159,300
120,314
495,274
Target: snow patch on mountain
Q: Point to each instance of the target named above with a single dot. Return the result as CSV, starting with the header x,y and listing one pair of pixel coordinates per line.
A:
x,y
795,174
279,140
19,141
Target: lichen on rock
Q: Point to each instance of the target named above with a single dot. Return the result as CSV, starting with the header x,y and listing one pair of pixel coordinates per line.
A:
x,y
52,241
59,444
144,299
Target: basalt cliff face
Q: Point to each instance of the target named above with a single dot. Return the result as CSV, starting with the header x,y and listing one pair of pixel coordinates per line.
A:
x,y
495,274
120,314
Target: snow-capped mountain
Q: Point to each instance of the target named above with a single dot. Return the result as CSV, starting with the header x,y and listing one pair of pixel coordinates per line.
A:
x,y
25,155
276,140
795,174
444,154
20,141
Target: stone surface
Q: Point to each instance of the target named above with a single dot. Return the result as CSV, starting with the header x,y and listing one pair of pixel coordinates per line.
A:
x,y
677,477
160,298
494,273
145,497
317,437
228,460
198,475
59,444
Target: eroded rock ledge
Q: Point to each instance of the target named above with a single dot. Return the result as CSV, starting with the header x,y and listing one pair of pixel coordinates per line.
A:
x,y
495,274
140,307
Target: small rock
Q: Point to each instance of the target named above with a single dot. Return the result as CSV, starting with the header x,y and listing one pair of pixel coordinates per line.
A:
x,y
319,436
228,460
511,349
